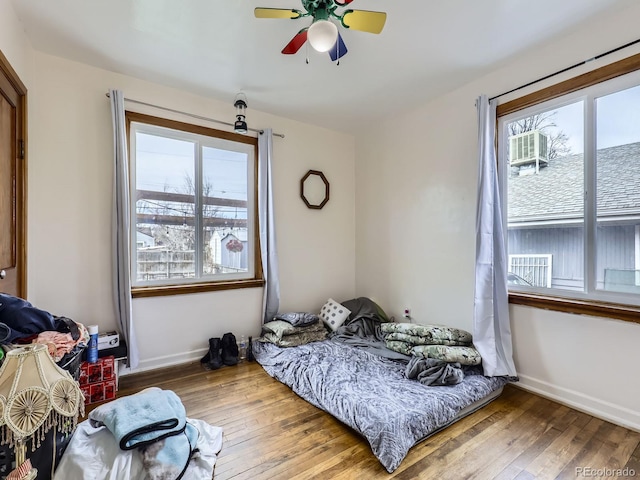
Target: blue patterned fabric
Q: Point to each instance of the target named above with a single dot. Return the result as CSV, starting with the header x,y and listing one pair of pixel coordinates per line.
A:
x,y
371,394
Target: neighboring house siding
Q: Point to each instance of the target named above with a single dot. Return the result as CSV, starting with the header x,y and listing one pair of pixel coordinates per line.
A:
x,y
567,270
616,249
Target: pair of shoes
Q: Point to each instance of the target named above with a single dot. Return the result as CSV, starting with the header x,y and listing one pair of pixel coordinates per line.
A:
x,y
213,360
229,349
221,352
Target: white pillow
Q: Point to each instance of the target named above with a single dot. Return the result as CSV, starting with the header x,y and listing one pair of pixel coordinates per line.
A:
x,y
333,314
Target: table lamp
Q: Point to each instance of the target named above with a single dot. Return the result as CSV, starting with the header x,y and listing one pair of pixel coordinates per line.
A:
x,y
35,395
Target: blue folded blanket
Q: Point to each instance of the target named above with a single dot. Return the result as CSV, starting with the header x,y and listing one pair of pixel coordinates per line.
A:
x,y
153,421
145,417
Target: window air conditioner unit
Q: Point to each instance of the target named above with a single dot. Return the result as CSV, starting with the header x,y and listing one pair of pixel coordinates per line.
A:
x,y
529,148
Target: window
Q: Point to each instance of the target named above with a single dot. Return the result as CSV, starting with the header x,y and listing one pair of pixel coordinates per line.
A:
x,y
193,192
569,167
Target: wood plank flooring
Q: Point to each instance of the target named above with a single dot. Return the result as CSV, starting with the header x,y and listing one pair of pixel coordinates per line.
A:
x,y
271,433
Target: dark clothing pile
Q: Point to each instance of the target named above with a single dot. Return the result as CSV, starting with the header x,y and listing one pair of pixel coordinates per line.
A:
x,y
19,319
22,323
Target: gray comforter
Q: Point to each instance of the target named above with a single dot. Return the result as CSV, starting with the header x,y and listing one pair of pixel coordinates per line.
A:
x,y
371,394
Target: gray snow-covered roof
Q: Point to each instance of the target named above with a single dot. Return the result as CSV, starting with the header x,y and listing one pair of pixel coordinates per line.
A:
x,y
556,192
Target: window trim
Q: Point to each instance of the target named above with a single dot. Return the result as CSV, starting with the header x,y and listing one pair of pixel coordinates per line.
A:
x,y
213,285
618,311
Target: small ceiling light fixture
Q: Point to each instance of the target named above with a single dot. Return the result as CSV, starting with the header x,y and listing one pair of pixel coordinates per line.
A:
x,y
240,125
322,35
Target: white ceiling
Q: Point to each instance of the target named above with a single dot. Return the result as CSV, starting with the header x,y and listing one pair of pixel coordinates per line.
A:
x,y
217,48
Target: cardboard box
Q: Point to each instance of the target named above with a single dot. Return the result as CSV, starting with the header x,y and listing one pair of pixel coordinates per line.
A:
x,y
108,340
86,392
100,371
98,381
110,389
96,392
99,392
83,379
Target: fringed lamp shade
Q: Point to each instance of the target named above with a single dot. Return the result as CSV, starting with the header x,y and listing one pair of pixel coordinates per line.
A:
x,y
36,395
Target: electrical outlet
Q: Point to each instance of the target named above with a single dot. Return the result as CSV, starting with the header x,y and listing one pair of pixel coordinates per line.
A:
x,y
407,313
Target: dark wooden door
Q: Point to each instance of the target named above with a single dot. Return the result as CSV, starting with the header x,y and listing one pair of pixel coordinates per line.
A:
x,y
12,182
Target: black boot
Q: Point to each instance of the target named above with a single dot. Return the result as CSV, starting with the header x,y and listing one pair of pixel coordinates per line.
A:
x,y
250,356
229,349
215,360
207,357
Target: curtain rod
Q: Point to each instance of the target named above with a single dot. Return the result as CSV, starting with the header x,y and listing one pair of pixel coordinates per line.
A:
x,y
194,115
567,69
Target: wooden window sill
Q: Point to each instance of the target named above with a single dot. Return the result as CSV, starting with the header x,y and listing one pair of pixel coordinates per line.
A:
x,y
627,313
165,290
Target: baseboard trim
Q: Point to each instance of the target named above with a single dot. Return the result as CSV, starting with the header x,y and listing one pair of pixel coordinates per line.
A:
x,y
610,412
165,361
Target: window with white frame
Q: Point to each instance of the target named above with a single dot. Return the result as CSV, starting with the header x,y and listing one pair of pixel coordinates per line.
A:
x,y
570,177
193,192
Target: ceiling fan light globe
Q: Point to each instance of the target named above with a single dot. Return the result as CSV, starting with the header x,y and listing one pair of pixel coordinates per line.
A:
x,y
322,35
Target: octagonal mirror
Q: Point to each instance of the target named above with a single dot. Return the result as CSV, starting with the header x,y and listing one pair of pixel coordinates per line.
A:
x,y
314,189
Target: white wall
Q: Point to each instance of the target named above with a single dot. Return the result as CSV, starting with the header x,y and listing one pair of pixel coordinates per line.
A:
x,y
13,42
69,214
415,211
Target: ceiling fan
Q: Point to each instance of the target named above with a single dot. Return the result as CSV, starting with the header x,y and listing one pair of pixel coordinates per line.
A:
x,y
323,34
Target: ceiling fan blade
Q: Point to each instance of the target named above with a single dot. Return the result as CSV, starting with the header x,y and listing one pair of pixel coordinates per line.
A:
x,y
296,42
364,20
276,13
339,50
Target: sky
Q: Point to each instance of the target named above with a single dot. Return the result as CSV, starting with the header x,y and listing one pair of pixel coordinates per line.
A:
x,y
163,162
618,120
168,165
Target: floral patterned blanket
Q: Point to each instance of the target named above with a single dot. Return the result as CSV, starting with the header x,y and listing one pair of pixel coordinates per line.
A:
x,y
371,394
439,342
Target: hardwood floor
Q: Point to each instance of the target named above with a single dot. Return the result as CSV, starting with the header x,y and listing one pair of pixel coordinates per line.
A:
x,y
271,433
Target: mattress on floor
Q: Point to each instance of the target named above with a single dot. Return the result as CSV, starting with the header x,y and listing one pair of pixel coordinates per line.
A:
x,y
371,394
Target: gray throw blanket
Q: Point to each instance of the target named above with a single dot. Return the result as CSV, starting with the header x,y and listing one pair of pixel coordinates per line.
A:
x,y
365,307
365,333
362,329
430,371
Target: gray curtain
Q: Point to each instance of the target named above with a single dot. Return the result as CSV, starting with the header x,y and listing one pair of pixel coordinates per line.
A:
x,y
271,293
122,229
491,327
